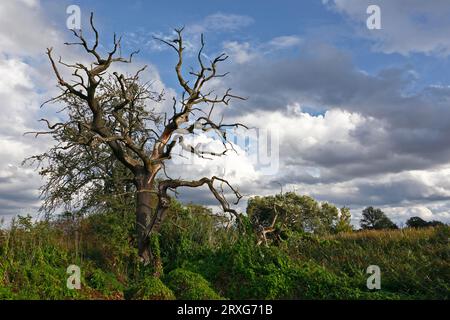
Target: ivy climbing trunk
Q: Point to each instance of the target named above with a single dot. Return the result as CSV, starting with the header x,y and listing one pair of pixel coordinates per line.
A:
x,y
147,237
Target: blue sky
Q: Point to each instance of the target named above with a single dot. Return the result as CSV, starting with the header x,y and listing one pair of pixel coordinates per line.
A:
x,y
308,19
362,114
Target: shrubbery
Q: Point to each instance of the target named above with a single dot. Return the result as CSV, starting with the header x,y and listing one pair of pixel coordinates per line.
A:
x,y
149,288
188,285
104,282
204,260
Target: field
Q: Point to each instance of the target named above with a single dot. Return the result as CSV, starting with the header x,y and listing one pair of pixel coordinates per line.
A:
x,y
203,262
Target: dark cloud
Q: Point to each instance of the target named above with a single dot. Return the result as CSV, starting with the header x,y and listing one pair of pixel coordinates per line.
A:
x,y
399,125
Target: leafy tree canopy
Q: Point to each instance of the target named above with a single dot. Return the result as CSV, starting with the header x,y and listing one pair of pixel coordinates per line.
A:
x,y
374,218
274,217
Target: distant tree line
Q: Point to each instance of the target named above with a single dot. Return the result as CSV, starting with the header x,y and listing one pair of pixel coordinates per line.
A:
x,y
374,218
275,217
417,222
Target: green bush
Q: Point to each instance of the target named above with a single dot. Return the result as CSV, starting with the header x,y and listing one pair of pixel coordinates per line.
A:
x,y
189,285
243,270
150,288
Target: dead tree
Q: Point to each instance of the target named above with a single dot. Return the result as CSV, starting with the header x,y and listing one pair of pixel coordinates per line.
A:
x,y
107,115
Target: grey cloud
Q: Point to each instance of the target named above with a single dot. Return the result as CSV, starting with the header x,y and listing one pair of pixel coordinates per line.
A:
x,y
379,192
399,125
20,192
407,26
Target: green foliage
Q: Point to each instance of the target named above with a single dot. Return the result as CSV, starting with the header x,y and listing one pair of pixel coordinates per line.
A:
x,y
109,240
344,221
243,271
6,294
150,288
413,262
312,281
417,222
30,262
188,285
105,282
291,212
190,232
202,259
376,219
325,220
34,258
413,265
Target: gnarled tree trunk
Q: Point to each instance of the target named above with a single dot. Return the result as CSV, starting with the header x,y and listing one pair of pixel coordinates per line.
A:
x,y
147,236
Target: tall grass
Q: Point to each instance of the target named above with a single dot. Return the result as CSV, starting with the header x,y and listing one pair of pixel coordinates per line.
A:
x,y
34,258
414,262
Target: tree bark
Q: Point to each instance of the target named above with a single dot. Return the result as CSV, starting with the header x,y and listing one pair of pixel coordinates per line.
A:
x,y
147,237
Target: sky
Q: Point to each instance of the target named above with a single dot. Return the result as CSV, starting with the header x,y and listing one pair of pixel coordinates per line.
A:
x,y
354,116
